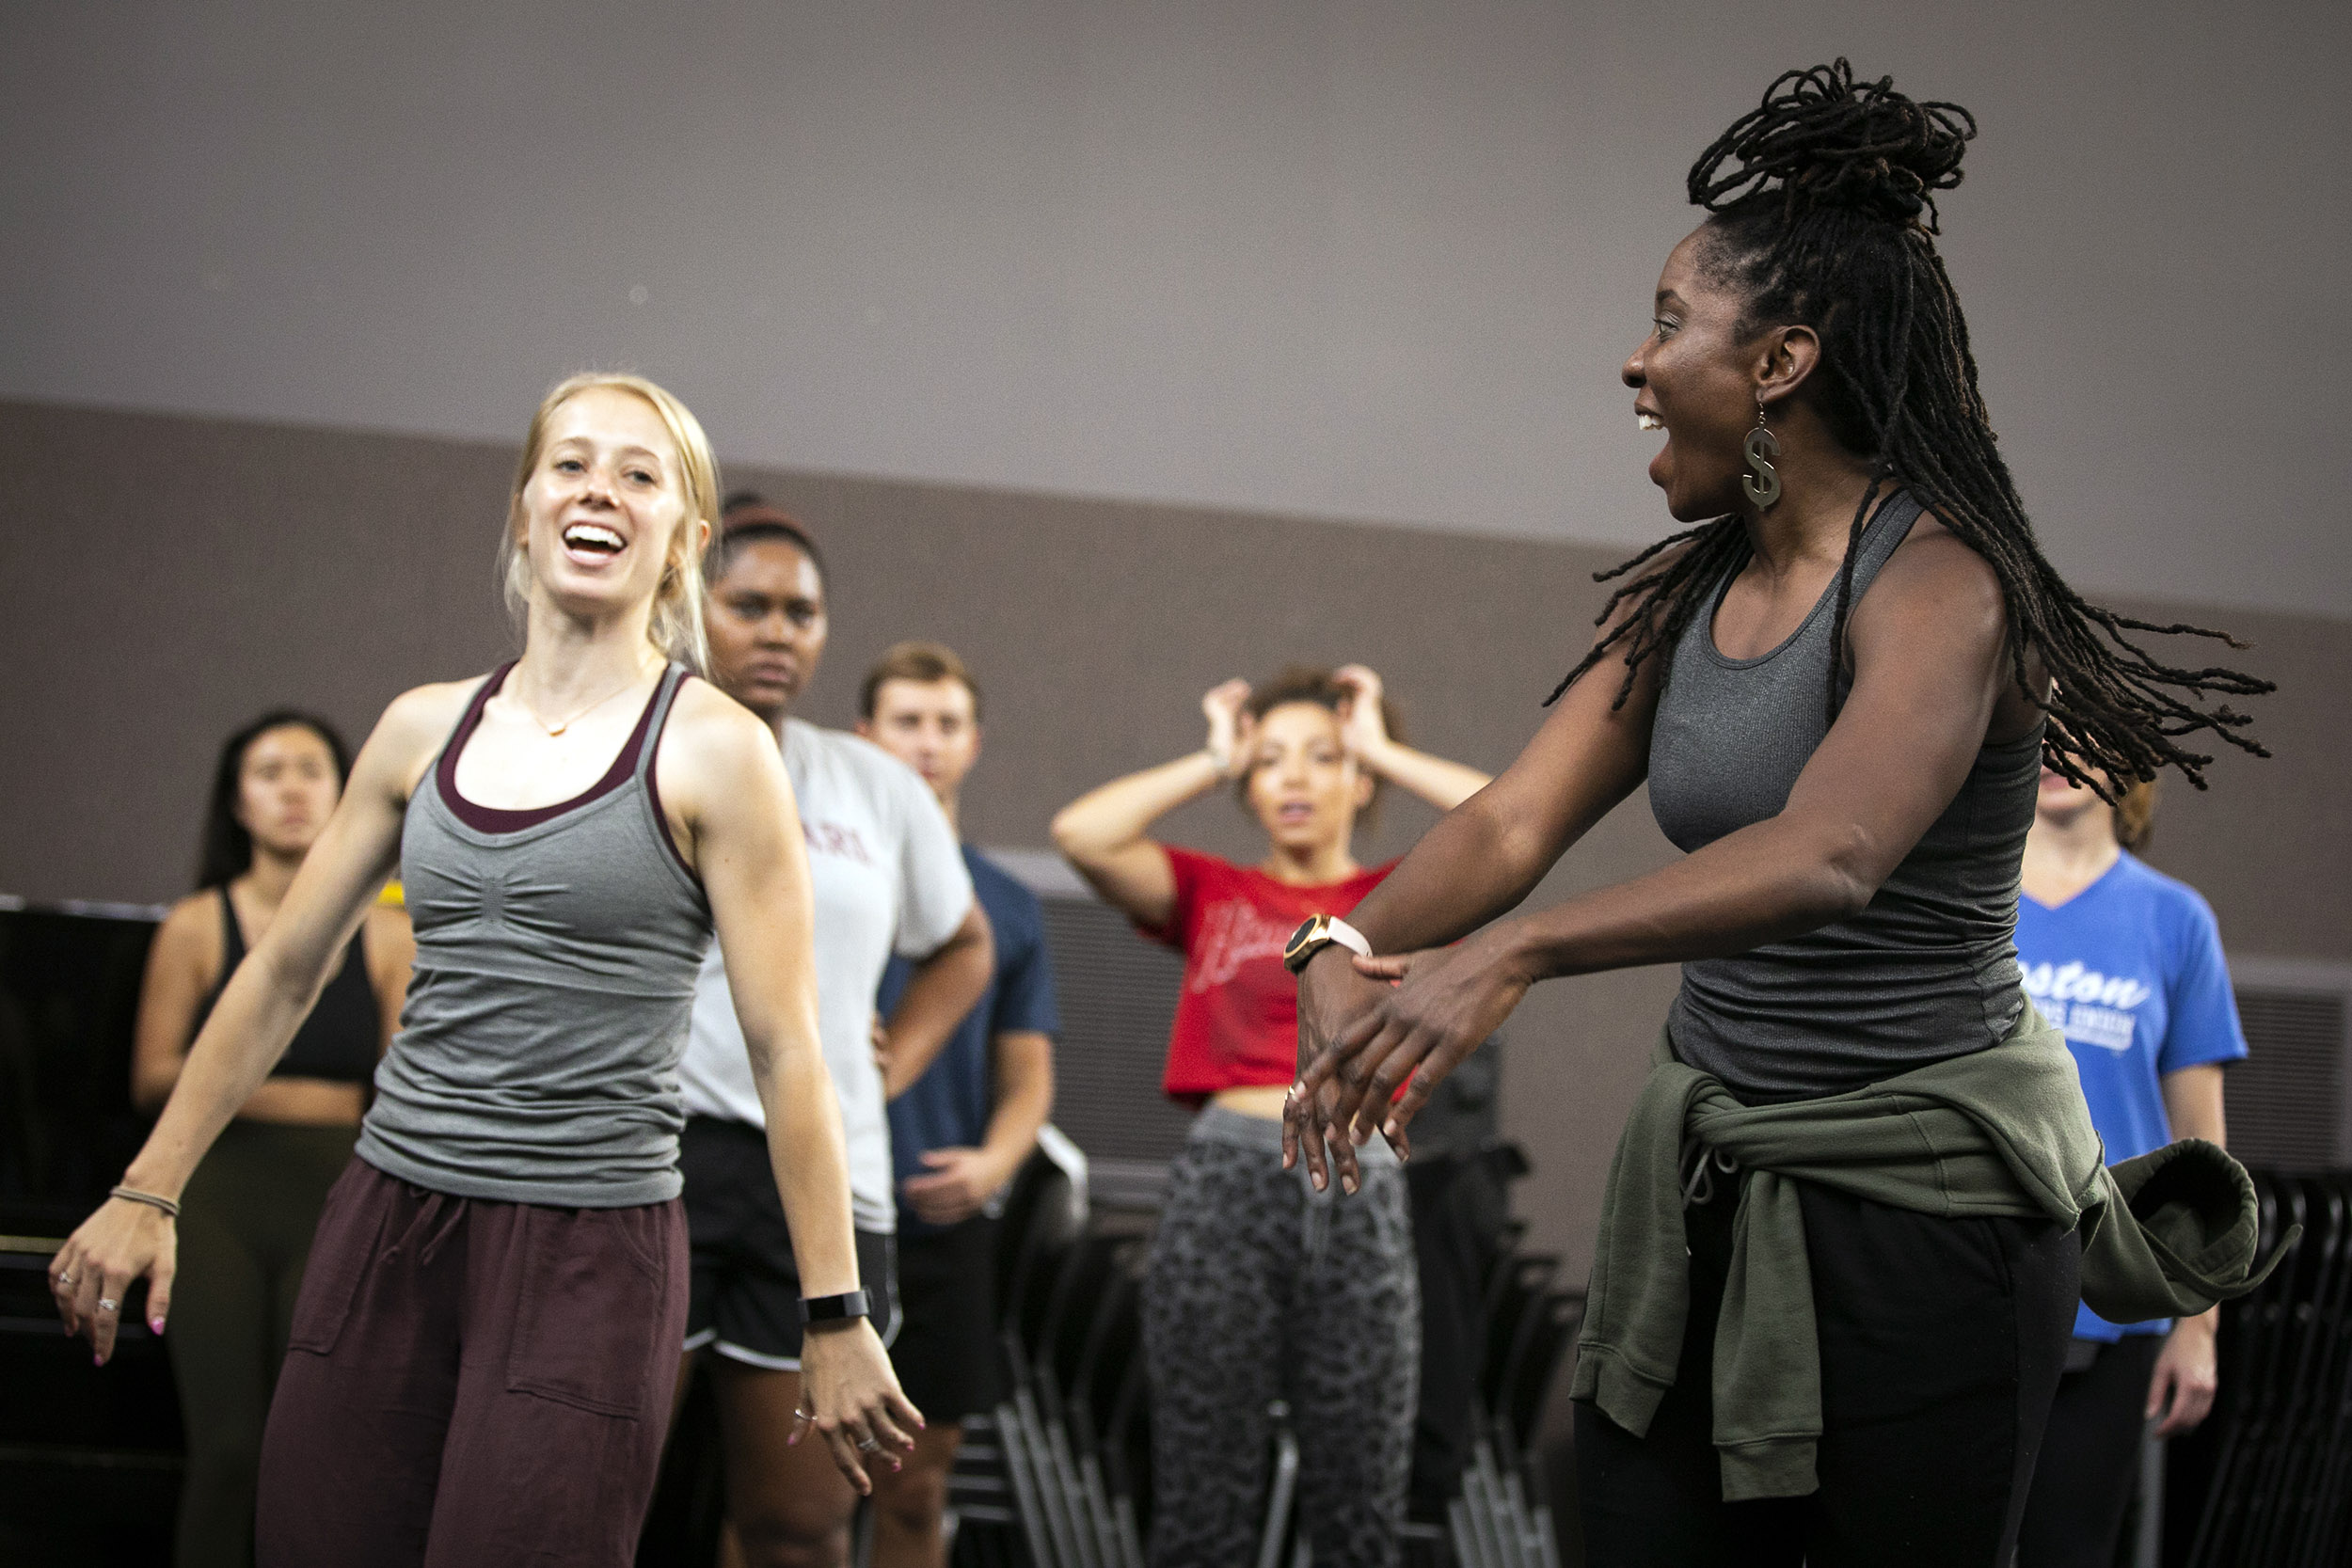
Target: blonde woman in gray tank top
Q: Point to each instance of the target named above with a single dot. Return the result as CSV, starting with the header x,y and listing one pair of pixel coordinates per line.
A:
x,y
483,1356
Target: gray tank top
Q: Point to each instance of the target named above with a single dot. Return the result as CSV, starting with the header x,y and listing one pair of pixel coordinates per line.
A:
x,y
556,953
1929,969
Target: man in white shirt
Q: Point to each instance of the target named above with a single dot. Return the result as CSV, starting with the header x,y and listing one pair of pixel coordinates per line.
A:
x,y
888,878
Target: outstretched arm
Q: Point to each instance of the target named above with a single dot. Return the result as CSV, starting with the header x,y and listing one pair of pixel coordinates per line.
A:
x,y
721,770
263,1006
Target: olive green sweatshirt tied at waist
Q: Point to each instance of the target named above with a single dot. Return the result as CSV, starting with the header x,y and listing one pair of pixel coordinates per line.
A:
x,y
1998,1133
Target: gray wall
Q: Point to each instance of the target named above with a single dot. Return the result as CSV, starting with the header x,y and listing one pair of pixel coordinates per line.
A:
x,y
1364,259
167,577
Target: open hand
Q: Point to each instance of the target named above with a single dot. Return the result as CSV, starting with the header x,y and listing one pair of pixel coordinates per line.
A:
x,y
1363,728
853,1399
1443,1003
1232,731
92,1274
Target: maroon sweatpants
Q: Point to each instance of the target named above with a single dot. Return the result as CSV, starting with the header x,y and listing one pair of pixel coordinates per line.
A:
x,y
471,1383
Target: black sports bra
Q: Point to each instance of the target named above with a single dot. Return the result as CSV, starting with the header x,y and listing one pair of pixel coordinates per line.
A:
x,y
338,1042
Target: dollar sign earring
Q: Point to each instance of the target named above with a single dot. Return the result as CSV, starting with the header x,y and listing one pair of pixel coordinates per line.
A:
x,y
1763,486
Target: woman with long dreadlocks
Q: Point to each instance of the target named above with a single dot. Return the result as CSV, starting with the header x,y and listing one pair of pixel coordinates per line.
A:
x,y
1839,1258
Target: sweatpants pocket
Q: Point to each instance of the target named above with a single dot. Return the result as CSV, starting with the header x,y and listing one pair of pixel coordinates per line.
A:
x,y
590,1324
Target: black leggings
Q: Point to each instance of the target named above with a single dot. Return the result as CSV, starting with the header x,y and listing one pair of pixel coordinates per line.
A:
x,y
2090,1458
1942,1341
245,1222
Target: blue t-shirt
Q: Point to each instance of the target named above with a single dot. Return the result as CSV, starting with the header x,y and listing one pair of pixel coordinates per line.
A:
x,y
2131,969
949,1106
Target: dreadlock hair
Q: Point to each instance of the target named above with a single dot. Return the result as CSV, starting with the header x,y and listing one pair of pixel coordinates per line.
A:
x,y
1823,212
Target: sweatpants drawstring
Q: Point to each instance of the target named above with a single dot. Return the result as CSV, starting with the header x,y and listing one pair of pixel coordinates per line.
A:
x,y
438,1218
1700,1165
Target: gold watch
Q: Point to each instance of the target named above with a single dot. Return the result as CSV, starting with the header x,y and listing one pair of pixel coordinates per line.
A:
x,y
1319,932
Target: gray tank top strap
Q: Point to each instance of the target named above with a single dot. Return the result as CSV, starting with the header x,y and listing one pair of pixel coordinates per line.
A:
x,y
657,715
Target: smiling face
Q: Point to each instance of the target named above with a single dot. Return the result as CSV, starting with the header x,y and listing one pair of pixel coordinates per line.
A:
x,y
286,789
1303,786
1694,377
766,619
604,512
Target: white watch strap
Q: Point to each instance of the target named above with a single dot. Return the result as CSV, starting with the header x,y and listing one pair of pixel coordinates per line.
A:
x,y
1349,937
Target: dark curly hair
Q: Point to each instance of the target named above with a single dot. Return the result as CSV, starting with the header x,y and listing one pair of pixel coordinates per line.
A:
x,y
1319,686
227,850
1821,205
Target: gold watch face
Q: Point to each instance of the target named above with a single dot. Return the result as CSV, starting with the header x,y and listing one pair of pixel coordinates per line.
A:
x,y
1310,932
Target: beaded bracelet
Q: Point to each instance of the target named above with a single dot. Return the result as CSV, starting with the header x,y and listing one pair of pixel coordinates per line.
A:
x,y
133,1195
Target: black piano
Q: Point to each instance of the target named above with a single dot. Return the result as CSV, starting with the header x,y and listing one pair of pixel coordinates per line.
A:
x,y
90,1458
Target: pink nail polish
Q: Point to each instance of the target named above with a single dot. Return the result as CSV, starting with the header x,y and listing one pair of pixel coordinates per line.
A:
x,y
155,1326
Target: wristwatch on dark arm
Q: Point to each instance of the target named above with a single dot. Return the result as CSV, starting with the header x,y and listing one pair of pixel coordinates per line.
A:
x,y
1319,932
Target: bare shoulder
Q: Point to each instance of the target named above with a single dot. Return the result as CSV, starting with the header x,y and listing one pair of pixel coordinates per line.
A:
x,y
433,708
711,742
409,731
1934,581
193,919
426,712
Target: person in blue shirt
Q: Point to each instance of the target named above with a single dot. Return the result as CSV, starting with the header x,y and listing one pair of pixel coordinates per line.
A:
x,y
960,1132
2128,963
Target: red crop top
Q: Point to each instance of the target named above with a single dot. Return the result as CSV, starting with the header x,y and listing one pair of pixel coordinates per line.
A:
x,y
1237,1016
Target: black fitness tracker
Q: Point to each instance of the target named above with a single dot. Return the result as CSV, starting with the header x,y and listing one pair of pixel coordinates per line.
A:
x,y
829,1309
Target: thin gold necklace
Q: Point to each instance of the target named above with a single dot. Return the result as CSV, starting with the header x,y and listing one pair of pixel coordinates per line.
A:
x,y
556,729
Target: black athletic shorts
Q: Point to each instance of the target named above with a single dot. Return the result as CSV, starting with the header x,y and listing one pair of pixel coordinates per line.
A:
x,y
745,1290
946,1353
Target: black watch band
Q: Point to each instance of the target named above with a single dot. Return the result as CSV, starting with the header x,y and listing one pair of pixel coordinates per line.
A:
x,y
826,1309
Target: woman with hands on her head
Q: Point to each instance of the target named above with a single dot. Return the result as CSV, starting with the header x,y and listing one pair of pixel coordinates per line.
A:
x,y
482,1353
1836,683
1243,1253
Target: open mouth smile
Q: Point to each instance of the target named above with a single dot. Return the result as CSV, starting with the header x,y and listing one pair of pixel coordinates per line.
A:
x,y
592,544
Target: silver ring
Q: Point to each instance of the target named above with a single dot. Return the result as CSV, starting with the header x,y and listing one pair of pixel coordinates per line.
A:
x,y
869,1445
105,1306
65,1279
800,1414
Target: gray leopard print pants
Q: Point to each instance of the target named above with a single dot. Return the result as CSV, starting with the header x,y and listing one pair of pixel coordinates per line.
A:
x,y
1261,1291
